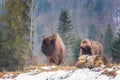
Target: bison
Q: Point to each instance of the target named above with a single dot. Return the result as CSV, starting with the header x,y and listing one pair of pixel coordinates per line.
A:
x,y
91,47
90,54
54,48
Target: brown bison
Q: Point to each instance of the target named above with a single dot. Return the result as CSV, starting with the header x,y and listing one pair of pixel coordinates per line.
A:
x,y
90,54
91,47
54,48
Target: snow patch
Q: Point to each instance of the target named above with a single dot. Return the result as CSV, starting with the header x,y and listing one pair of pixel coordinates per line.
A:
x,y
47,67
77,74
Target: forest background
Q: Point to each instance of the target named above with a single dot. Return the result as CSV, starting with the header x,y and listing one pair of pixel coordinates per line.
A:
x,y
24,22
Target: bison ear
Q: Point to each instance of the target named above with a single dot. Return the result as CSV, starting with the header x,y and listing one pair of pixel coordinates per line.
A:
x,y
53,41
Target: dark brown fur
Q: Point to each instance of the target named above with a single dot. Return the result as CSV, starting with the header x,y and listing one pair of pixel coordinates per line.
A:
x,y
54,48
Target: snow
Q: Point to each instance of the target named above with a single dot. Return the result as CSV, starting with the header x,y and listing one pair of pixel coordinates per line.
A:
x,y
82,75
77,74
118,72
8,76
103,77
47,67
23,77
117,77
33,72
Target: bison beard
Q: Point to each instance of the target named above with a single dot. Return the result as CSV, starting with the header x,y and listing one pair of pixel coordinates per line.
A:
x,y
54,48
86,50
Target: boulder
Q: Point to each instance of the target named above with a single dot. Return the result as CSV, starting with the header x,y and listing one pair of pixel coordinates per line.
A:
x,y
86,61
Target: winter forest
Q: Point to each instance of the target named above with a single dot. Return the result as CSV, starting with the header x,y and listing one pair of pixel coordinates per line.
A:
x,y
23,23
93,19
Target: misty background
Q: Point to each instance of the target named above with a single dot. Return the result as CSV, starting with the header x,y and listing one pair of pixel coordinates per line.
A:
x,y
84,13
24,22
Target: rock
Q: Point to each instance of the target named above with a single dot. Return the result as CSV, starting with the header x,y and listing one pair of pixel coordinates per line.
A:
x,y
81,61
100,60
90,61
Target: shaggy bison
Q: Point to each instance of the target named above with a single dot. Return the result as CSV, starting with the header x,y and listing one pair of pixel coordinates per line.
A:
x,y
54,48
90,54
91,47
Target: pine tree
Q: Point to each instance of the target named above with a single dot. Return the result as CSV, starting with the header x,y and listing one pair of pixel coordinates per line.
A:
x,y
108,38
76,47
115,49
89,7
16,40
98,6
92,32
65,30
64,27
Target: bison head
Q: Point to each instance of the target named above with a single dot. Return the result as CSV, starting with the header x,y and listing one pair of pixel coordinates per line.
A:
x,y
86,50
48,45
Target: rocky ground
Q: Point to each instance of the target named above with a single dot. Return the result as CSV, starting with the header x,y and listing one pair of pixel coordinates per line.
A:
x,y
44,72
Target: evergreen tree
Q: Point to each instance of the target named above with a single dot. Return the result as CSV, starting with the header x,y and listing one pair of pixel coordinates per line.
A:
x,y
76,47
108,38
115,49
92,32
64,27
65,30
89,7
15,45
99,6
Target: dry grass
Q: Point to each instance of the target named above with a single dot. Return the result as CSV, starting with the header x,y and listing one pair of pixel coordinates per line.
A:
x,y
26,69
68,68
110,73
14,74
113,72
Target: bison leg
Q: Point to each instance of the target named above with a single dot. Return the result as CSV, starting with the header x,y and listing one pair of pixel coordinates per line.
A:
x,y
50,62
